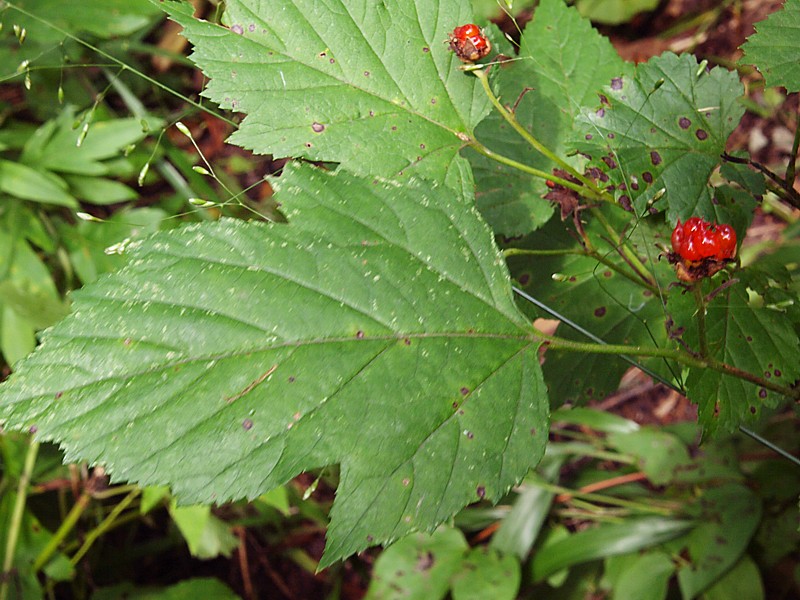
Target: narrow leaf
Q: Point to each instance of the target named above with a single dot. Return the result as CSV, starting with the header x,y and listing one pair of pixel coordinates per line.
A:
x,y
605,540
227,357
22,181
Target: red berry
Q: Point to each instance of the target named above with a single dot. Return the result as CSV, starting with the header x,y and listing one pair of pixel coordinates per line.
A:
x,y
727,238
469,43
697,240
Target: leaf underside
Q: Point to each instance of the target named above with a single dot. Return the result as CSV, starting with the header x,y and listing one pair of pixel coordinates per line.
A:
x,y
368,84
227,357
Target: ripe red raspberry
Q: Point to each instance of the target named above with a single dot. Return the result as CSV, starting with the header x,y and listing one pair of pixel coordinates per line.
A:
x,y
469,43
698,240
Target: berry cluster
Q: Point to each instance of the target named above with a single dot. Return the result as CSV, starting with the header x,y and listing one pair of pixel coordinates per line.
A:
x,y
700,248
469,43
697,239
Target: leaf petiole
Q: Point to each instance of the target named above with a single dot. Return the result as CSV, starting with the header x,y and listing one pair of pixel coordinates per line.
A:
x,y
595,192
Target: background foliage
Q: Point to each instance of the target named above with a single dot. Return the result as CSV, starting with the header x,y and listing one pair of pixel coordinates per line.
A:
x,y
368,334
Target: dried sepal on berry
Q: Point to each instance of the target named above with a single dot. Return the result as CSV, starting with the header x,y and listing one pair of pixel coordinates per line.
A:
x,y
469,43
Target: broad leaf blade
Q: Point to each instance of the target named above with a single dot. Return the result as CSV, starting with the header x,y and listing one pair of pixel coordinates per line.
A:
x,y
663,129
562,62
774,48
226,358
369,85
754,339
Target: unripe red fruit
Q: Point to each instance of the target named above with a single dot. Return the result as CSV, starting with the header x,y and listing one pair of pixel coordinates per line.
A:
x,y
469,43
697,240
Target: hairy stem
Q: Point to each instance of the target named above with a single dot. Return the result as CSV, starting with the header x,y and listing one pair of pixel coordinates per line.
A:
x,y
703,362
511,119
625,251
635,278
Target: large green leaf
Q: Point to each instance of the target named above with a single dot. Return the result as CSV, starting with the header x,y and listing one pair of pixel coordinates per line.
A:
x,y
370,85
754,338
562,62
663,129
775,47
227,357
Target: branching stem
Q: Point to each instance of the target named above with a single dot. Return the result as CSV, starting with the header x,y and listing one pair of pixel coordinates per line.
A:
x,y
595,192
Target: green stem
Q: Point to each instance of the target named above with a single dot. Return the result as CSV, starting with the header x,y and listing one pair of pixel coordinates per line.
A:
x,y
510,162
603,499
17,514
625,251
790,170
701,319
105,525
511,119
557,343
66,526
637,278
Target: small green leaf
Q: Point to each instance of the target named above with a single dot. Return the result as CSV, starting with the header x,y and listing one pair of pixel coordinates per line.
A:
x,y
774,50
18,337
418,566
660,455
385,339
606,540
188,589
26,183
485,573
742,582
663,129
596,419
731,514
99,190
519,530
207,536
152,496
57,148
375,89
645,577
